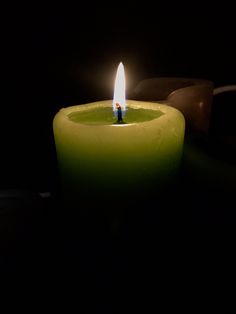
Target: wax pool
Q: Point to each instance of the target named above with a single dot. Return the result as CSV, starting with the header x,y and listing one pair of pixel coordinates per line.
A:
x,y
101,160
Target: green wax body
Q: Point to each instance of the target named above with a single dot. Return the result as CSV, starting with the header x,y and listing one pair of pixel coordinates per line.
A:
x,y
98,158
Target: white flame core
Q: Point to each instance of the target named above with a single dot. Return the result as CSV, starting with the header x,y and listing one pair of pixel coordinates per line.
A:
x,y
119,90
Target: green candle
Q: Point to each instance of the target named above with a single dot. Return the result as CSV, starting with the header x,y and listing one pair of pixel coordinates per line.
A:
x,y
95,153
101,159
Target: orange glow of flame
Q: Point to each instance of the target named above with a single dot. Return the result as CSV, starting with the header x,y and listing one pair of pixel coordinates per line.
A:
x,y
119,90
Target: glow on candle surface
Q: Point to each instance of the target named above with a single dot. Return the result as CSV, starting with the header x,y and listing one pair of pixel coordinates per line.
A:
x,y
98,156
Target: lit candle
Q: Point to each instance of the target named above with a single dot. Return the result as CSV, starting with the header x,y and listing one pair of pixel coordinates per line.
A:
x,y
117,155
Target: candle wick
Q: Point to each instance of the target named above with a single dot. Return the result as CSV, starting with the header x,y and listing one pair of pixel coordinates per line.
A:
x,y
119,113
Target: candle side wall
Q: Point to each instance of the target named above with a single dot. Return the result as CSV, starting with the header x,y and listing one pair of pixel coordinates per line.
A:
x,y
105,159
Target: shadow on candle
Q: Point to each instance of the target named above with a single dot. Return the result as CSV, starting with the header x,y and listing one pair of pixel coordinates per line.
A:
x,y
193,97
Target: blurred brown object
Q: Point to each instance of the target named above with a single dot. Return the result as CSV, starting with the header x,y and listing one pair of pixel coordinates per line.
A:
x,y
193,97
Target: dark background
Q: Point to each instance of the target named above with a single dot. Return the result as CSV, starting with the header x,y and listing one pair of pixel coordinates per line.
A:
x,y
58,55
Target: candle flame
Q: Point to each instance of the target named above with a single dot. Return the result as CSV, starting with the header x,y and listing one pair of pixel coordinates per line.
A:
x,y
119,90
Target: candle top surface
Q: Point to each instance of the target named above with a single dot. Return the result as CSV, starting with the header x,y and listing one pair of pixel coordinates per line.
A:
x,y
100,114
105,116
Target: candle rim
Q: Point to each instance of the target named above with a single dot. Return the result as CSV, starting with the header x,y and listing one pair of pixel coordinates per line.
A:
x,y
134,104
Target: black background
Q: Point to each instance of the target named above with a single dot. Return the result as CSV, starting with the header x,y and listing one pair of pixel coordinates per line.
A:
x,y
58,55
